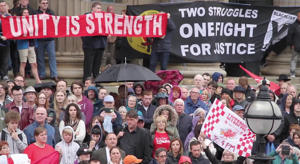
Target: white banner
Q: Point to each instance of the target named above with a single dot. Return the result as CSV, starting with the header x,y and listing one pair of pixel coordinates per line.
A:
x,y
228,130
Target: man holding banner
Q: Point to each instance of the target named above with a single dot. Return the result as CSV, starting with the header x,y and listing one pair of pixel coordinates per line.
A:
x,y
294,42
47,44
161,47
93,47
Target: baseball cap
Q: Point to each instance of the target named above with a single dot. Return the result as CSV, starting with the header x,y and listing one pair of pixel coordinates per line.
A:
x,y
108,98
239,89
238,107
184,159
129,159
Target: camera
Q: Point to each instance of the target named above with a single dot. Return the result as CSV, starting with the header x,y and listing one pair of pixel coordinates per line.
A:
x,y
285,150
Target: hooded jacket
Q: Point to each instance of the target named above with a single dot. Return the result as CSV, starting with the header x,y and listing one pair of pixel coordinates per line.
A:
x,y
100,143
98,104
68,150
15,146
87,108
191,134
215,76
171,128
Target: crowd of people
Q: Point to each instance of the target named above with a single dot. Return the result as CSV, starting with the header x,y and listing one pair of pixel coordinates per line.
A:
x,y
87,123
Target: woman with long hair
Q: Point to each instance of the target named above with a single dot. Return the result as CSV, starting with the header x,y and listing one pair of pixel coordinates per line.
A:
x,y
40,151
41,101
175,151
161,138
59,105
73,119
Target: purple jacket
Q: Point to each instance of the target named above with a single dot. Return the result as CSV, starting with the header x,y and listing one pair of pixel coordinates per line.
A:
x,y
87,108
191,134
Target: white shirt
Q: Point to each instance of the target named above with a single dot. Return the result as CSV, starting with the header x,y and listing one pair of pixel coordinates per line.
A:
x,y
20,109
107,154
146,108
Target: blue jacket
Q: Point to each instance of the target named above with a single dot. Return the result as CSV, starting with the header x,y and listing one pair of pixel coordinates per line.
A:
x,y
190,107
24,44
29,132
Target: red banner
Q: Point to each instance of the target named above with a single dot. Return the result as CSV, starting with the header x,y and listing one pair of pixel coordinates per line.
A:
x,y
49,26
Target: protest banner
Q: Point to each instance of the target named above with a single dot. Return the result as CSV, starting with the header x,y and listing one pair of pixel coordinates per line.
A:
x,y
228,130
215,31
100,23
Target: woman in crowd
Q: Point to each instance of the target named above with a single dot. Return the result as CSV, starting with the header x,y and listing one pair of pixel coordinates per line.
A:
x,y
206,97
73,119
286,103
72,99
39,150
4,153
175,151
123,111
199,112
27,52
290,139
131,103
15,137
217,77
59,105
115,156
138,90
171,116
161,137
41,101
175,94
96,120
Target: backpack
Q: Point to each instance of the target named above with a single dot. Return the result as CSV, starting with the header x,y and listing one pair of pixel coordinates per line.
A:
x,y
3,136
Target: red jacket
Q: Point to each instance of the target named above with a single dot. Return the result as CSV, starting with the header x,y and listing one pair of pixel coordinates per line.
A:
x,y
26,115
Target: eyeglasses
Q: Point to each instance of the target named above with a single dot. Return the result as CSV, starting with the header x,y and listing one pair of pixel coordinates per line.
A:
x,y
45,3
162,156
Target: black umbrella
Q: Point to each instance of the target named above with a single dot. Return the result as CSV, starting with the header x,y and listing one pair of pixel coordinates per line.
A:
x,y
126,72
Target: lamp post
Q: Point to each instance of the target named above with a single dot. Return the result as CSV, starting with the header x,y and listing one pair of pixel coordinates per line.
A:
x,y
263,117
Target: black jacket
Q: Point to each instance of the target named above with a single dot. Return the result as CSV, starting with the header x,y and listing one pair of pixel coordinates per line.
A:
x,y
184,126
171,159
148,115
199,160
164,44
214,160
94,42
136,143
294,35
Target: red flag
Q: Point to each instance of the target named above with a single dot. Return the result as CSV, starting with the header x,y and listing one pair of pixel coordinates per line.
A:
x,y
273,86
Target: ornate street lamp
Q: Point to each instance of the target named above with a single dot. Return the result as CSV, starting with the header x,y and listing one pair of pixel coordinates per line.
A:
x,y
263,117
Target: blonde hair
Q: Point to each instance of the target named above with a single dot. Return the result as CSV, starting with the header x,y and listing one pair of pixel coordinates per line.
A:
x,y
161,118
67,131
72,97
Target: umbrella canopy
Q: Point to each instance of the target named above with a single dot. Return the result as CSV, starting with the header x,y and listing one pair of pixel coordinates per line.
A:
x,y
126,72
173,77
